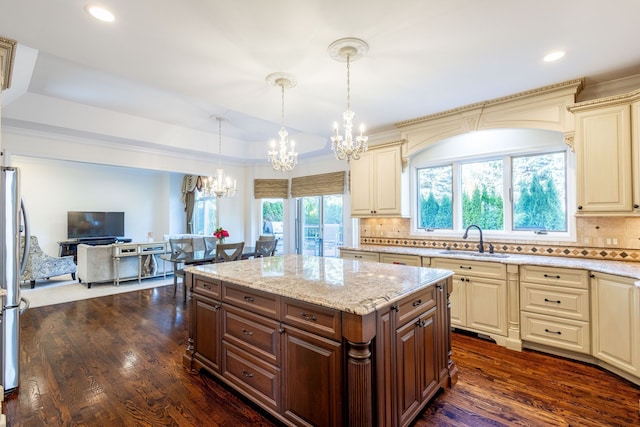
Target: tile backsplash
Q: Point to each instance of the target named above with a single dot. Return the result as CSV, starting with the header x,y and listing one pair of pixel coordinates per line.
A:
x,y
613,238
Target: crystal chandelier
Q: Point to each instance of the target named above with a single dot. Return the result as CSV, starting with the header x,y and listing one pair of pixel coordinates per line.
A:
x,y
348,49
220,185
283,158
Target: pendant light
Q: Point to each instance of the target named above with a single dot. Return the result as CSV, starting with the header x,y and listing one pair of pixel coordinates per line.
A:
x,y
284,157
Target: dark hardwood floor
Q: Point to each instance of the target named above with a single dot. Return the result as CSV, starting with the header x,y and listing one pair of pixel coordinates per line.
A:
x,y
117,361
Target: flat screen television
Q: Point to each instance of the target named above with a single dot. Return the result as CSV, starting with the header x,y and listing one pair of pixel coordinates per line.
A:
x,y
94,224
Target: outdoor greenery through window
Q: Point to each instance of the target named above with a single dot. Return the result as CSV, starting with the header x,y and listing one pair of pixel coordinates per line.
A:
x,y
204,214
532,197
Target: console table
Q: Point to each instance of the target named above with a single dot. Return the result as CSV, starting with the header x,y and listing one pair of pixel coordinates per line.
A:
x,y
70,247
142,251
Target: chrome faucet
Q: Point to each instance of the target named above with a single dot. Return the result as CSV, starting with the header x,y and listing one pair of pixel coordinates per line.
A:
x,y
466,234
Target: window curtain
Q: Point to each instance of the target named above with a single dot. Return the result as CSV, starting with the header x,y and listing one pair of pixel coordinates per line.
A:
x,y
189,185
318,185
271,188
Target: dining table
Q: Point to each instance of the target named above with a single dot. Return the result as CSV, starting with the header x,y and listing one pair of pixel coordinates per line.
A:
x,y
197,257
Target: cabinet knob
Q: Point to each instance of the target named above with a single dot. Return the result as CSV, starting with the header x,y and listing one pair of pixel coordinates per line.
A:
x,y
636,206
580,207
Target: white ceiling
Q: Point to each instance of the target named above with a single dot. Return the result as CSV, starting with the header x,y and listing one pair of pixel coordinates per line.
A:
x,y
179,62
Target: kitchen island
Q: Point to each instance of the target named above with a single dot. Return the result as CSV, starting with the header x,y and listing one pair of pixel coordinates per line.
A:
x,y
323,341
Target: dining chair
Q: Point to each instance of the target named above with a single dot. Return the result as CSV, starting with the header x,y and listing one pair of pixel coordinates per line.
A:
x,y
267,237
180,247
229,251
265,248
210,243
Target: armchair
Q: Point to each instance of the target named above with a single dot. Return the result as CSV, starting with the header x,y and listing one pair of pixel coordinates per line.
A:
x,y
42,266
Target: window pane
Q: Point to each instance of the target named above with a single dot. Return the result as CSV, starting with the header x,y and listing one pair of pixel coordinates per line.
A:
x,y
539,192
482,194
435,209
332,225
204,214
273,219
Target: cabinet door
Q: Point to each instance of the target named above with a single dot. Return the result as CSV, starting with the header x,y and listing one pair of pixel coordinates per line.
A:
x,y
487,305
362,182
458,301
387,188
615,305
603,160
206,331
417,364
312,384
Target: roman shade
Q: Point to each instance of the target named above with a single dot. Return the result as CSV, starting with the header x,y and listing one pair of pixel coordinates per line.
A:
x,y
318,185
271,188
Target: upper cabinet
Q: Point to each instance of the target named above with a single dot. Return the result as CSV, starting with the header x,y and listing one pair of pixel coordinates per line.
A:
x,y
378,180
607,146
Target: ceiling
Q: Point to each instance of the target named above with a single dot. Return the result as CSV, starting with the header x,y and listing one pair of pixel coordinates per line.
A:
x,y
178,63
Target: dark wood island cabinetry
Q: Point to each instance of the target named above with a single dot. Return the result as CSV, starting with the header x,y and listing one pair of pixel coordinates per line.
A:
x,y
323,341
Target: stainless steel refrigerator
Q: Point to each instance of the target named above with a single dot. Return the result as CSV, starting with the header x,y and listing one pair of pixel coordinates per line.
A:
x,y
13,221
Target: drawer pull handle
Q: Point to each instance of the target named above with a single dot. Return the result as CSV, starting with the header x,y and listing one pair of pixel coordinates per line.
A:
x,y
462,279
247,332
553,332
550,300
549,276
465,267
421,323
249,299
247,374
417,303
309,317
206,286
357,256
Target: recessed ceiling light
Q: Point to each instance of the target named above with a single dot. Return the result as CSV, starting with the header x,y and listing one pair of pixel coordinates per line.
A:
x,y
100,13
554,56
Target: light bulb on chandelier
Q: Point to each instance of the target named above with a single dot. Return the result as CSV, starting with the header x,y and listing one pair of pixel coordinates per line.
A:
x,y
282,157
220,185
348,147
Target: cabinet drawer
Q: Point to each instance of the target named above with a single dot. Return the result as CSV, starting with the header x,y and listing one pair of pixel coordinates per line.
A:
x,y
209,288
555,276
568,303
487,269
359,256
401,259
257,378
253,333
252,300
125,250
409,308
312,318
567,334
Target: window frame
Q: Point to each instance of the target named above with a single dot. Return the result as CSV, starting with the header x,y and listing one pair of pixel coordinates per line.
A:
x,y
417,161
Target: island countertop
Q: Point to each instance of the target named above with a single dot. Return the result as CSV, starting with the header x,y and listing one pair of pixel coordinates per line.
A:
x,y
357,287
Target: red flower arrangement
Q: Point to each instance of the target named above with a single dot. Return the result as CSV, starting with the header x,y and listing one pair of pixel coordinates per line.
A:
x,y
221,234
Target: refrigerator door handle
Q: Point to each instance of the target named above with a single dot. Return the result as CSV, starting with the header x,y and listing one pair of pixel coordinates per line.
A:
x,y
27,303
27,238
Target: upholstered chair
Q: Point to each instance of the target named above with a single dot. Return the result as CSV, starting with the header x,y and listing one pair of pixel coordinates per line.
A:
x,y
42,266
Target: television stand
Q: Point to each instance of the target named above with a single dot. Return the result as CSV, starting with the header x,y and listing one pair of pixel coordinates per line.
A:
x,y
70,247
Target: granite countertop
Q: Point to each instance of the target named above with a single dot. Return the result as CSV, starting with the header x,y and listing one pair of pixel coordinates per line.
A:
x,y
357,287
620,268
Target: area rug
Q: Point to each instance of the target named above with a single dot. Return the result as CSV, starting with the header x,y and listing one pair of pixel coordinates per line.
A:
x,y
60,290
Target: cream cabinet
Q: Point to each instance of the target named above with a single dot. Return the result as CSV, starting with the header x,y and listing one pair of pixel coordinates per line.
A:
x,y
554,307
607,148
359,255
401,259
479,295
378,181
615,306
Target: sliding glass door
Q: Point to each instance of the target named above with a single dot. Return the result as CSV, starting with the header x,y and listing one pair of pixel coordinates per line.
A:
x,y
319,225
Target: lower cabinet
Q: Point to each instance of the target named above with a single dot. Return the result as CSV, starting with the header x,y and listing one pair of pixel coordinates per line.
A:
x,y
312,387
206,334
615,308
478,295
